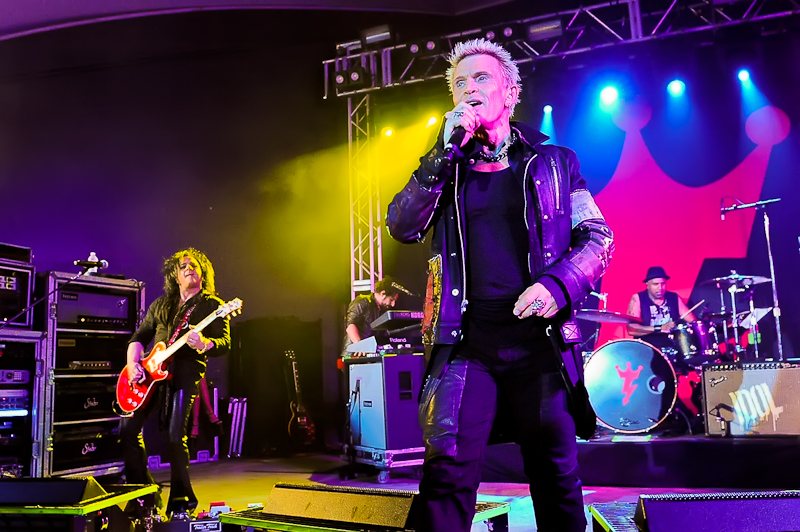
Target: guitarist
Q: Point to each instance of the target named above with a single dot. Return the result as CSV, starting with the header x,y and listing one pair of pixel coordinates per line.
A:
x,y
189,296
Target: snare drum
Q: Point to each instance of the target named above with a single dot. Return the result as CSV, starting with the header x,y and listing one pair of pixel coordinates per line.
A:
x,y
631,385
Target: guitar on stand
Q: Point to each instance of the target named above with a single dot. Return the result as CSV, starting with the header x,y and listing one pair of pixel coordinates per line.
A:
x,y
131,396
300,428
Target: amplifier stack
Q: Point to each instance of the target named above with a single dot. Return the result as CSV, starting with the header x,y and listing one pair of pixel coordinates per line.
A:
x,y
88,323
16,285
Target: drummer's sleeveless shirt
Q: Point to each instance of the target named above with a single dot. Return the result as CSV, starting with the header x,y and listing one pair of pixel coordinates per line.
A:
x,y
653,314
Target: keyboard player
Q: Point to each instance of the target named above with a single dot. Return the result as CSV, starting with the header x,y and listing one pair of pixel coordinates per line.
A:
x,y
365,309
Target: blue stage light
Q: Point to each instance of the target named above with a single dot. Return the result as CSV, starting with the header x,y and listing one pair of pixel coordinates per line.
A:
x,y
744,75
548,109
676,87
609,95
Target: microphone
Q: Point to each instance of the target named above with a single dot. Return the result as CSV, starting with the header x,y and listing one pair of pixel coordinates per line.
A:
x,y
99,264
453,146
404,290
722,209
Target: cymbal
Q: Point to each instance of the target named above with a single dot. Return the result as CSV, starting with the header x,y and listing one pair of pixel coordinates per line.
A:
x,y
605,316
739,280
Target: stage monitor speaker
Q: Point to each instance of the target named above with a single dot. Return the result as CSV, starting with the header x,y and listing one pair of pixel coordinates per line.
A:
x,y
769,511
325,504
68,504
752,399
48,492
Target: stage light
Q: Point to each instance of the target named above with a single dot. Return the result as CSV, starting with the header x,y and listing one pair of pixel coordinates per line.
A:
x,y
548,109
540,31
424,47
377,36
387,131
609,95
676,87
431,121
744,75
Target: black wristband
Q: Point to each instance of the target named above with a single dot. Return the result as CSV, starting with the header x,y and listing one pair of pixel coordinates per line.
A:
x,y
657,328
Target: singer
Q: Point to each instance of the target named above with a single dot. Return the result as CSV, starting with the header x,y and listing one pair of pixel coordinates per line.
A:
x,y
189,296
365,309
518,243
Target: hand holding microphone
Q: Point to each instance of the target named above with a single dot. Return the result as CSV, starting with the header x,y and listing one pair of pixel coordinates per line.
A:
x,y
460,124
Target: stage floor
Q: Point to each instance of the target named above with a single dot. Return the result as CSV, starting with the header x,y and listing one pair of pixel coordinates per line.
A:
x,y
238,482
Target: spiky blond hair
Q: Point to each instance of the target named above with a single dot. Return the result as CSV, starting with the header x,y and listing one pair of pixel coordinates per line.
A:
x,y
481,46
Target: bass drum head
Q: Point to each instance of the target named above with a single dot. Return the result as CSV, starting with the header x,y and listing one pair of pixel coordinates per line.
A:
x,y
631,385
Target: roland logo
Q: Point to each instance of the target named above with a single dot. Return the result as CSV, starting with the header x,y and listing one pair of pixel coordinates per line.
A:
x,y
398,340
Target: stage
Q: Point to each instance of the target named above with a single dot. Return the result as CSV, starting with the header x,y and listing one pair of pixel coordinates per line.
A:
x,y
698,462
613,471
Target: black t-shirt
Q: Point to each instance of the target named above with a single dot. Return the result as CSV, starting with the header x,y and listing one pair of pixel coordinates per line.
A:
x,y
497,238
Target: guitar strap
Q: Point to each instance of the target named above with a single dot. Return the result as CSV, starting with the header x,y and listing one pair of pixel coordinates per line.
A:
x,y
185,320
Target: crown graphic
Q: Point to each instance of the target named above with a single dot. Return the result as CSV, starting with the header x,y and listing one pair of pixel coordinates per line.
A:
x,y
680,249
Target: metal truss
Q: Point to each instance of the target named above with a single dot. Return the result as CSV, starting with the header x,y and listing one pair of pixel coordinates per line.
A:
x,y
578,31
366,257
560,34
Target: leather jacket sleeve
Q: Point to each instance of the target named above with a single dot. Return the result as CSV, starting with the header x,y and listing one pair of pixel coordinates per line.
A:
x,y
591,241
411,212
356,313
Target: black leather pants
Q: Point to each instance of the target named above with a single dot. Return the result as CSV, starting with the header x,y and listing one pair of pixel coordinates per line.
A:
x,y
135,455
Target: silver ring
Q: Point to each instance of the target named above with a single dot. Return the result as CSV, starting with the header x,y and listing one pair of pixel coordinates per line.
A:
x,y
458,113
537,305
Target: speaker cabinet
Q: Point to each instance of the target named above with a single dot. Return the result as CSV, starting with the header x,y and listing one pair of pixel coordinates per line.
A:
x,y
383,412
88,322
752,399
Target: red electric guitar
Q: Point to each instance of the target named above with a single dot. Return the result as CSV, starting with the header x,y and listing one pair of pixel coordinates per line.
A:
x,y
131,396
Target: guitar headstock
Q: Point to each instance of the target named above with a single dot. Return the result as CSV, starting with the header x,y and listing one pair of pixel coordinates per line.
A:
x,y
290,355
232,307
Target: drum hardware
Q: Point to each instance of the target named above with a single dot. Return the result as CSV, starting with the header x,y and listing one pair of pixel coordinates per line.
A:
x,y
743,281
606,316
602,296
776,309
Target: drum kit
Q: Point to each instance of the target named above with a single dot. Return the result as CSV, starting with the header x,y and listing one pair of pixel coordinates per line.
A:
x,y
634,386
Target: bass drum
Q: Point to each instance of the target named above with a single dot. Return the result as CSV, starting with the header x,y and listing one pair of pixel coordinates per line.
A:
x,y
631,385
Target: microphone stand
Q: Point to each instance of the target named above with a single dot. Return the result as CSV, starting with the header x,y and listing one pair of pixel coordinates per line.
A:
x,y
776,310
56,289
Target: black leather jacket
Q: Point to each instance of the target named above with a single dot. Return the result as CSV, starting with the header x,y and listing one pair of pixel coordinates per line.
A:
x,y
361,312
570,243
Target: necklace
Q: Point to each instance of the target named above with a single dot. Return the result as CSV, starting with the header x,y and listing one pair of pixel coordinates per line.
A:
x,y
499,156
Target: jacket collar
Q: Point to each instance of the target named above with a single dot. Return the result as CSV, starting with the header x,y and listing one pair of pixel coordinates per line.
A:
x,y
530,136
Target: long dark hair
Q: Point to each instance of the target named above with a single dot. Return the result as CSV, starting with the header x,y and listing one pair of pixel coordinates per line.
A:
x,y
169,270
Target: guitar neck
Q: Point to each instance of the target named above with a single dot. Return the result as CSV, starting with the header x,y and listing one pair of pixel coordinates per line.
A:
x,y
163,356
299,395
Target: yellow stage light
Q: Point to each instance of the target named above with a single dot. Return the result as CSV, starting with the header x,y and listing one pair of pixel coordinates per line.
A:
x,y
387,131
431,121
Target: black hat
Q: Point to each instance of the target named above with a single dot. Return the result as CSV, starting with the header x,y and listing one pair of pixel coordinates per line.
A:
x,y
655,272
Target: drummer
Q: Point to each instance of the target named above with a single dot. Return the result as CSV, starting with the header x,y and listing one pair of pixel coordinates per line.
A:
x,y
659,310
